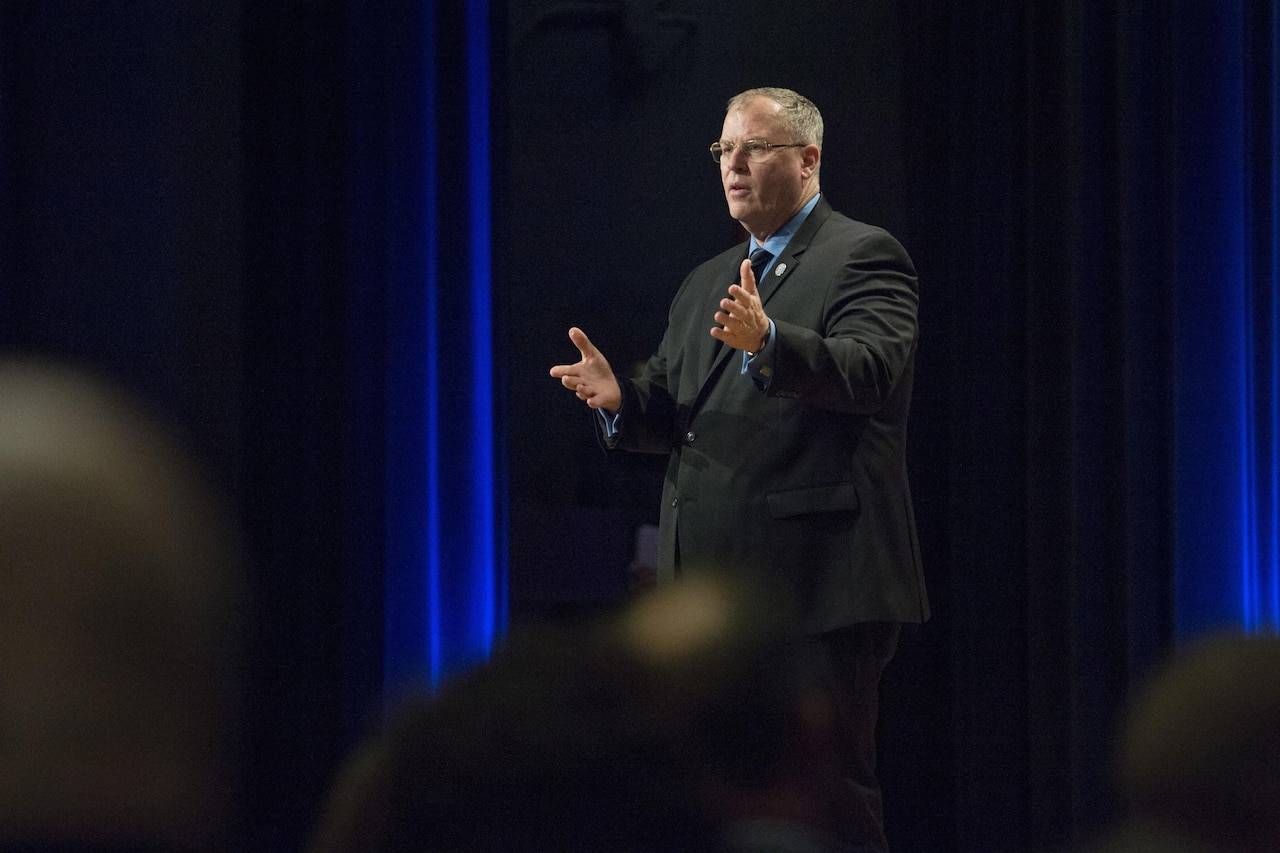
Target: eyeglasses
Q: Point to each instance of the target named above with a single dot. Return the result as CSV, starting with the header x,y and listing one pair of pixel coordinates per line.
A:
x,y
757,150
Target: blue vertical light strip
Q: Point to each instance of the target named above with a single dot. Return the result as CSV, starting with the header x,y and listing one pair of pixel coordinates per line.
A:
x,y
1237,298
1268,617
1274,78
433,564
488,603
444,585
1228,464
1213,528
1251,501
465,600
1261,567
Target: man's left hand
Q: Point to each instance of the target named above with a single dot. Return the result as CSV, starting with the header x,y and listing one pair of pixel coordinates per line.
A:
x,y
743,323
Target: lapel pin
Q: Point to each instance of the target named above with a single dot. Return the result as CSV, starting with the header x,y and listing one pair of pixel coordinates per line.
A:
x,y
779,269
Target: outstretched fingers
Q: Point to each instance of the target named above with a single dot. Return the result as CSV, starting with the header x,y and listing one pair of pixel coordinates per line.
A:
x,y
591,378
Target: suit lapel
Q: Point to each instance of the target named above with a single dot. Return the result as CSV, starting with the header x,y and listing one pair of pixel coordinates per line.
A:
x,y
789,261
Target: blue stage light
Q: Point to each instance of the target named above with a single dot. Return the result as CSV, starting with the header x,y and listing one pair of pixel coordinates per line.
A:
x,y
1227,330
445,591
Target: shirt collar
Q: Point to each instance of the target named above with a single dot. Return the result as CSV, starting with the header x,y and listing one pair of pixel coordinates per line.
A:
x,y
775,244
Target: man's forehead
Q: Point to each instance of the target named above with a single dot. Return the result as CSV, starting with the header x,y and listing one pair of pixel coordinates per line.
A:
x,y
756,114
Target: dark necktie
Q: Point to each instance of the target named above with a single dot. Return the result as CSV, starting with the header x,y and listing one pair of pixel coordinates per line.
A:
x,y
759,260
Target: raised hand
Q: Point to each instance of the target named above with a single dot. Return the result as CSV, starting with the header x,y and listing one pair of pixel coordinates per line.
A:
x,y
591,378
742,322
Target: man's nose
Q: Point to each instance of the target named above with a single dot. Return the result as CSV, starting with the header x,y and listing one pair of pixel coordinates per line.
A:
x,y
735,158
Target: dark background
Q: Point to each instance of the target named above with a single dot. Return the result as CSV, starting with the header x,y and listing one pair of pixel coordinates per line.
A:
x,y
205,201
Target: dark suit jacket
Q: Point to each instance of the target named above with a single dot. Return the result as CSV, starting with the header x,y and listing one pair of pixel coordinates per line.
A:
x,y
808,480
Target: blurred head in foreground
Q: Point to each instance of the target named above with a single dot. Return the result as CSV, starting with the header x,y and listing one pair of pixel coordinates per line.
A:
x,y
1200,757
632,734
118,608
548,746
722,655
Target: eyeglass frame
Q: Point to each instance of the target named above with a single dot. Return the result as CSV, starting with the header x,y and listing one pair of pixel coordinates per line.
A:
x,y
726,149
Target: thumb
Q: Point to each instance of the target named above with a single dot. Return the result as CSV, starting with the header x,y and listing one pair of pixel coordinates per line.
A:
x,y
582,342
748,276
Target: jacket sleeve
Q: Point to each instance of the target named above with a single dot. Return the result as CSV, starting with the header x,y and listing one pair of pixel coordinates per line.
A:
x,y
866,336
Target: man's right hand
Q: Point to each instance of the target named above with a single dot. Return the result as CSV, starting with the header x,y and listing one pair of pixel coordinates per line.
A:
x,y
591,378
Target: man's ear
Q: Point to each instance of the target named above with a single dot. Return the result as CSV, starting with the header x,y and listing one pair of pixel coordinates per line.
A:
x,y
810,155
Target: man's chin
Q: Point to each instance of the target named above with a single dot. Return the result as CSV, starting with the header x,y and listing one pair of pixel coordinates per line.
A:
x,y
741,213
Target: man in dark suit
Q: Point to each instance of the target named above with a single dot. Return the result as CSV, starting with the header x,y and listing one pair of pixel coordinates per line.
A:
x,y
781,392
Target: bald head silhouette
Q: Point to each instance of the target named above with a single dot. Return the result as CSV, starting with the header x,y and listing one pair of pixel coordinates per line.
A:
x,y
118,605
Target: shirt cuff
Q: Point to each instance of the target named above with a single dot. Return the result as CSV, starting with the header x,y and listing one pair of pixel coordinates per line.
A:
x,y
610,422
759,365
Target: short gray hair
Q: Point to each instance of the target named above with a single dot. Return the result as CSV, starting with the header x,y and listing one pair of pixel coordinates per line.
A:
x,y
801,117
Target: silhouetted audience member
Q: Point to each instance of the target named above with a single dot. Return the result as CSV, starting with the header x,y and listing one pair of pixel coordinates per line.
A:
x,y
549,746
627,735
119,594
1199,762
722,654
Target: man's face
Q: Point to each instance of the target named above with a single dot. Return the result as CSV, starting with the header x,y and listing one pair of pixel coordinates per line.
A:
x,y
764,196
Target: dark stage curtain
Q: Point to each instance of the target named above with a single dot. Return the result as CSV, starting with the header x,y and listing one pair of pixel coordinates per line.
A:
x,y
1071,216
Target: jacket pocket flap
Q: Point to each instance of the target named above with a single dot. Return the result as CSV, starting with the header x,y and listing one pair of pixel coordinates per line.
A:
x,y
837,497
